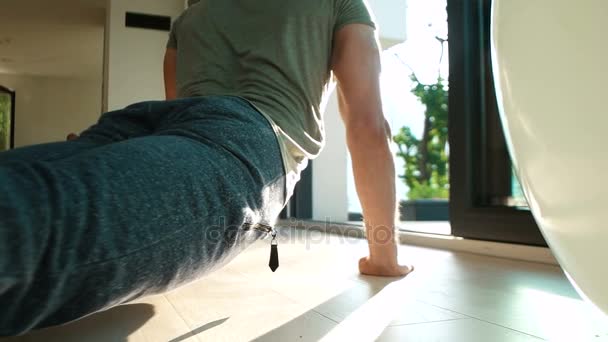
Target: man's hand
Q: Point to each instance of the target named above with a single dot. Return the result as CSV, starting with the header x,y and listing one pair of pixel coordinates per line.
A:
x,y
383,254
356,65
383,268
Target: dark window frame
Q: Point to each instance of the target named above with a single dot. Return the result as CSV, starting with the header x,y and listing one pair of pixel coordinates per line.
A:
x,y
479,160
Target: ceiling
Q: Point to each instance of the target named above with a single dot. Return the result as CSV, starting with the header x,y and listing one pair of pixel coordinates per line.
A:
x,y
60,38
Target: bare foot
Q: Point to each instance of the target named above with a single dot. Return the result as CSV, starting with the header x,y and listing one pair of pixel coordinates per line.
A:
x,y
383,269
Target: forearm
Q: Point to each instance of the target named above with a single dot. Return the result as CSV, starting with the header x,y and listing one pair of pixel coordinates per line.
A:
x,y
356,65
374,172
169,73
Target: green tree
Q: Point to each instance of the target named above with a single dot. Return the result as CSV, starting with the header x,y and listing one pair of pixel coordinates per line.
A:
x,y
426,160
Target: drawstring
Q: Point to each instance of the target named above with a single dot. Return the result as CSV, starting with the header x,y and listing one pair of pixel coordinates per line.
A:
x,y
273,263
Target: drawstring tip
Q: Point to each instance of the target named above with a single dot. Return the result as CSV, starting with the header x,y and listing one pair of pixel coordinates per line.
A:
x,y
274,253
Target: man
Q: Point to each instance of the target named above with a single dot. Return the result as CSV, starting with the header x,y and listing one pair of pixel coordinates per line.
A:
x,y
157,194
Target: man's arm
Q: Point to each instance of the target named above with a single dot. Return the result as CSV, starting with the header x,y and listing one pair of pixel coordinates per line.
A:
x,y
356,65
169,70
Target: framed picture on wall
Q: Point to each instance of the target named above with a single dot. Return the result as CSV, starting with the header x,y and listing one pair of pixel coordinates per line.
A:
x,y
7,119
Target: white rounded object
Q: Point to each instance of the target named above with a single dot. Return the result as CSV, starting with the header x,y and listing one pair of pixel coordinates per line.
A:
x,y
550,61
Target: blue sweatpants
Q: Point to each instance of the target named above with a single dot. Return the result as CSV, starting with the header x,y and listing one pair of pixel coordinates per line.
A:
x,y
149,198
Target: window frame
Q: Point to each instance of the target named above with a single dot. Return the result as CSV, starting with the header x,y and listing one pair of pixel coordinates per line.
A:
x,y
479,159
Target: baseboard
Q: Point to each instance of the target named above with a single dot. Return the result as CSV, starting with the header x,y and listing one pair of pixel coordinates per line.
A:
x,y
446,242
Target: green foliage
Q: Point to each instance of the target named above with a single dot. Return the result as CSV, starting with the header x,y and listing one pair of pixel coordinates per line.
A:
x,y
5,124
426,160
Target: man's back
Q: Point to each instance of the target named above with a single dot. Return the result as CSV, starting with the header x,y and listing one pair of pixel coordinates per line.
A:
x,y
274,53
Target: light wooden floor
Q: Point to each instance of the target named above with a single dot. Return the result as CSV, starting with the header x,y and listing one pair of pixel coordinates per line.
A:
x,y
317,294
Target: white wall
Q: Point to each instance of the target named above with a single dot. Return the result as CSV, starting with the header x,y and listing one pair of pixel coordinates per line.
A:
x,y
329,183
330,188
134,57
48,108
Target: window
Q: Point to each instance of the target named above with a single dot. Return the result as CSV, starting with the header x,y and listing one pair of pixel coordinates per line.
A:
x,y
485,199
7,118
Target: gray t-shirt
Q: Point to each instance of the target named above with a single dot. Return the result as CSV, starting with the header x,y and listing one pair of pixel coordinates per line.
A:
x,y
274,53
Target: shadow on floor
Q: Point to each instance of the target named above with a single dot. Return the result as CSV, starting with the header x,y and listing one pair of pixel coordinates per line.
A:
x,y
311,325
113,325
200,330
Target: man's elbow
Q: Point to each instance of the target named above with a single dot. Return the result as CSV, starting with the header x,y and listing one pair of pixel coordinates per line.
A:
x,y
371,133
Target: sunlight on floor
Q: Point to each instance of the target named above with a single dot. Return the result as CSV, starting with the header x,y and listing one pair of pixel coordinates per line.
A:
x,y
371,319
549,309
318,294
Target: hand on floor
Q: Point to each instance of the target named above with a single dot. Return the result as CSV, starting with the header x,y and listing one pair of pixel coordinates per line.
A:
x,y
383,268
